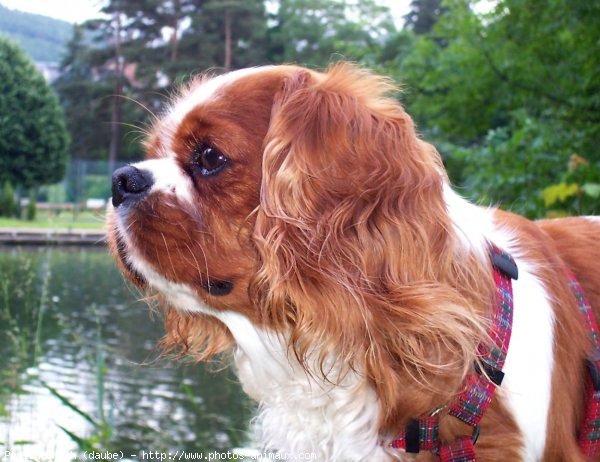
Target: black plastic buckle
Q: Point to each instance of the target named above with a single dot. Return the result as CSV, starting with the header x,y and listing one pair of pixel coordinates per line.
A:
x,y
505,263
495,375
412,436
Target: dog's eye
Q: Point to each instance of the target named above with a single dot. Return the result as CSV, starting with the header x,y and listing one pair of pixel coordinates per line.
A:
x,y
209,160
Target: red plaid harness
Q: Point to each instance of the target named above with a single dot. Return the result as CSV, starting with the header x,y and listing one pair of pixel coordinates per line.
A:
x,y
589,434
470,405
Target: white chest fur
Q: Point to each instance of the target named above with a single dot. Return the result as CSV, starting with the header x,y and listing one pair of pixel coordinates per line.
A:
x,y
298,413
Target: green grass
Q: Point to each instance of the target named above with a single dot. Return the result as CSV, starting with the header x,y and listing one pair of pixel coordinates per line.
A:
x,y
65,219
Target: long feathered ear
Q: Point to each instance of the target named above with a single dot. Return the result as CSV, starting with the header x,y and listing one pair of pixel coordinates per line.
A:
x,y
199,336
355,241
202,337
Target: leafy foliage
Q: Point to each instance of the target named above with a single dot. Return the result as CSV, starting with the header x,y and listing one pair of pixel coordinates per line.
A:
x,y
509,96
33,138
423,15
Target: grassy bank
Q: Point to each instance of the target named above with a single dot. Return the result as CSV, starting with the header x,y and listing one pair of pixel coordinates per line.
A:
x,y
66,219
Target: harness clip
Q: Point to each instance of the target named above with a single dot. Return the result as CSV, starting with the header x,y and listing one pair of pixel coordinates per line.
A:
x,y
495,375
505,263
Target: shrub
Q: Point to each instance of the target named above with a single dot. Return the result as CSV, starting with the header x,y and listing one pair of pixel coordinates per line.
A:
x,y
32,131
8,206
31,207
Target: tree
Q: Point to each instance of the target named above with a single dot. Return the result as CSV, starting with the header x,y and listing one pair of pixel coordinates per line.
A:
x,y
423,15
144,35
510,96
223,34
111,32
33,139
86,87
315,32
84,98
141,52
239,29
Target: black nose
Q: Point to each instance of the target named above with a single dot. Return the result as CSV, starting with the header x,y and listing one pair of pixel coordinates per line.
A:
x,y
129,183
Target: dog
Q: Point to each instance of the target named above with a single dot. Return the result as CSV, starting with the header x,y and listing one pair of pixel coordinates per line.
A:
x,y
295,218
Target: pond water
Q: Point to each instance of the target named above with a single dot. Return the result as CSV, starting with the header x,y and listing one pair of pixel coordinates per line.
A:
x,y
79,367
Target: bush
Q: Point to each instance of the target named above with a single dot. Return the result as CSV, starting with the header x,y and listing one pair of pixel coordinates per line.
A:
x,y
513,165
8,206
32,131
31,207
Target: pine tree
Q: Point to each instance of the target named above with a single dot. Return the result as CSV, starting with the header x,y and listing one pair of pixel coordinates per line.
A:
x,y
145,48
83,96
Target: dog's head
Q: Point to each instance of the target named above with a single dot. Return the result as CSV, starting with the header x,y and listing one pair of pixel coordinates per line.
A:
x,y
306,203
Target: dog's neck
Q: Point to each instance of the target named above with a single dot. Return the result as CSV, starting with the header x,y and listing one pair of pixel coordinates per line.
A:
x,y
304,413
336,419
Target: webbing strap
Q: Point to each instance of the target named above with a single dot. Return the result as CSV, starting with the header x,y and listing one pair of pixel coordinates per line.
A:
x,y
419,435
589,434
476,396
461,450
470,405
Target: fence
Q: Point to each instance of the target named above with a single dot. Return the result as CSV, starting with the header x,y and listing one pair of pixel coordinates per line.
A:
x,y
87,184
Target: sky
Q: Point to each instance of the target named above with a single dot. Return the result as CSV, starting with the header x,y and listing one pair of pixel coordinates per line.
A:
x,y
81,10
68,10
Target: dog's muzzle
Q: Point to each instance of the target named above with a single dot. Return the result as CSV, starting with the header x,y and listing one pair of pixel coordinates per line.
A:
x,y
130,184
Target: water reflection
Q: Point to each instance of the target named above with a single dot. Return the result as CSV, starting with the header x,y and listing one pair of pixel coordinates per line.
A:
x,y
69,321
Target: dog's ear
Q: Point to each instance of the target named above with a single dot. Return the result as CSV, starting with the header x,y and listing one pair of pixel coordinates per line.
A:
x,y
200,336
352,233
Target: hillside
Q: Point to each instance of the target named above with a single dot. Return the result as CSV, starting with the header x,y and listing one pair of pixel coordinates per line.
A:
x,y
43,38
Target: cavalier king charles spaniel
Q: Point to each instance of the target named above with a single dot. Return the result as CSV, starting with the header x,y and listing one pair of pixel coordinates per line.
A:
x,y
295,219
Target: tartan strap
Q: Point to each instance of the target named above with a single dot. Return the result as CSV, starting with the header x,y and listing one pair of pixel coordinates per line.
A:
x,y
589,434
419,435
461,450
471,403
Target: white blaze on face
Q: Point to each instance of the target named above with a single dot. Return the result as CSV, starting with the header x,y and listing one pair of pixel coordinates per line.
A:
x,y
206,92
168,177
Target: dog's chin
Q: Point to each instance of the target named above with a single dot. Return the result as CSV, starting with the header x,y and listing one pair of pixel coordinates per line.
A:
x,y
128,270
118,248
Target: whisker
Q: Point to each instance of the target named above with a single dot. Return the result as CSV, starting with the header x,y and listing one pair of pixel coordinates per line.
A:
x,y
143,106
168,253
